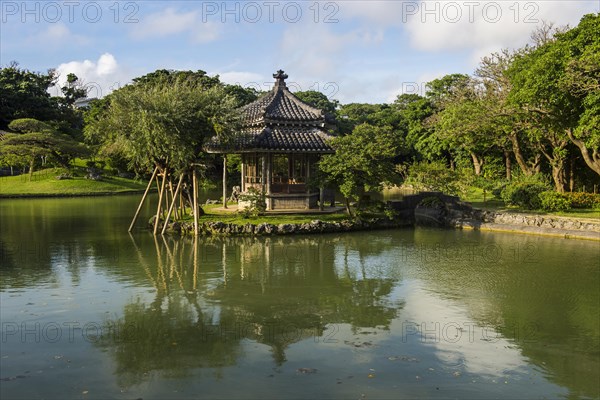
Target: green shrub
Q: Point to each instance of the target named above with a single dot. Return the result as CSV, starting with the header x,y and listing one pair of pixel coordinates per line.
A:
x,y
554,201
584,200
524,191
257,204
434,176
498,188
524,194
29,125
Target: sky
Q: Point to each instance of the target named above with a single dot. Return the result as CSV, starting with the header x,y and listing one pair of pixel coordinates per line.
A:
x,y
352,50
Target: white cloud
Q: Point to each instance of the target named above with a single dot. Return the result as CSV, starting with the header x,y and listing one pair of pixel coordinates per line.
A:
x,y
101,77
486,26
382,13
56,35
475,348
172,22
316,50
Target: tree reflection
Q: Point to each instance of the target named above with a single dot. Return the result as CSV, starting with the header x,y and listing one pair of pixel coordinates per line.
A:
x,y
521,288
213,296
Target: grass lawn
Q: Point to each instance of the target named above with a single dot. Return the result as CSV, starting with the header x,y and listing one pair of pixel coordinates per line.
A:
x,y
475,197
44,183
213,214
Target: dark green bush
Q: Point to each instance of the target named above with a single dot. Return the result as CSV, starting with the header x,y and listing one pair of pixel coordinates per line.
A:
x,y
554,201
584,200
524,194
498,188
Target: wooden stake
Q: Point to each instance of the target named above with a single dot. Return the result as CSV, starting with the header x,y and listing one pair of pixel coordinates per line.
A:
x,y
195,196
172,196
160,199
172,205
137,212
181,206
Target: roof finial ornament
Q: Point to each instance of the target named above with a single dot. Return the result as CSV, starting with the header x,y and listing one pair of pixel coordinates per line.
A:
x,y
280,77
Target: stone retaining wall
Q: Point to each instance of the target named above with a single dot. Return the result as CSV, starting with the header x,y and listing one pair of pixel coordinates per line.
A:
x,y
524,223
313,227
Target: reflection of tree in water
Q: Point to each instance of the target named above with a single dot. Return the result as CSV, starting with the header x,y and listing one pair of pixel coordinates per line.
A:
x,y
522,288
295,291
212,295
174,333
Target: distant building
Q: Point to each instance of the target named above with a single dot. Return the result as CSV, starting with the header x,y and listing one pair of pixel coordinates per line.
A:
x,y
83,103
281,141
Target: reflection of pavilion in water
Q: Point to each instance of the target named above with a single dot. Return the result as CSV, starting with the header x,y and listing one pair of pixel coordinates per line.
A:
x,y
213,296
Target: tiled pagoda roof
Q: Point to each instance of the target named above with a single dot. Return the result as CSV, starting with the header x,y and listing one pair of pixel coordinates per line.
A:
x,y
278,121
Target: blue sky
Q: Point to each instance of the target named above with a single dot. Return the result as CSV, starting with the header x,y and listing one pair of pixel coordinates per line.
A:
x,y
353,51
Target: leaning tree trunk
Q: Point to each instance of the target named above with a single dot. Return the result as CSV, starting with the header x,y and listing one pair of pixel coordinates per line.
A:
x,y
31,167
592,160
347,202
508,165
521,161
571,174
477,163
559,176
557,157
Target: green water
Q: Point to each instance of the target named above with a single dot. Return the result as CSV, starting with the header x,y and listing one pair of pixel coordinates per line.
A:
x,y
89,311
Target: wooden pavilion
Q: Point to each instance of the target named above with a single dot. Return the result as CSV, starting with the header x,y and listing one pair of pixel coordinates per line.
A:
x,y
280,142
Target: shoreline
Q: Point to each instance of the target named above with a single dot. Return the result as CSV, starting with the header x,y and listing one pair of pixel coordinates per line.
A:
x,y
478,220
55,195
525,224
474,219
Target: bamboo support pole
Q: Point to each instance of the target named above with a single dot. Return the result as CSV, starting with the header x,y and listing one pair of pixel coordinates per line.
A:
x,y
172,195
166,197
160,199
137,212
181,206
172,205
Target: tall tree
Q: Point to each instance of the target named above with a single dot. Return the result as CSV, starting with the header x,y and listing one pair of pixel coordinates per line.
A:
x,y
161,121
24,94
318,100
364,160
37,139
73,90
582,80
550,111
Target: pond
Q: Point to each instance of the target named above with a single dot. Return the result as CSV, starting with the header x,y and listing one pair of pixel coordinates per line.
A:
x,y
90,311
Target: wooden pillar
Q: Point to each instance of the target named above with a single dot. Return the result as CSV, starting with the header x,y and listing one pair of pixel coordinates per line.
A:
x,y
173,201
269,172
243,185
321,198
160,199
263,173
224,180
137,212
269,178
290,158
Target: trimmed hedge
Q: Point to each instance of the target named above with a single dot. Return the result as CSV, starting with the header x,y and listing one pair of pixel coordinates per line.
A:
x,y
584,200
554,201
